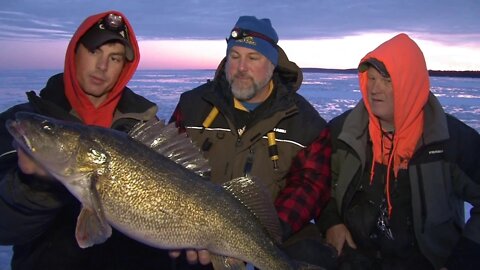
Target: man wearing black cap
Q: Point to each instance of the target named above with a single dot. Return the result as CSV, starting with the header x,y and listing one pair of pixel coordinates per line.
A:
x,y
38,215
110,29
401,171
249,120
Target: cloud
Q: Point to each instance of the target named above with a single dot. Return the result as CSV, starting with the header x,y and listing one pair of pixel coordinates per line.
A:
x,y
307,19
24,26
328,30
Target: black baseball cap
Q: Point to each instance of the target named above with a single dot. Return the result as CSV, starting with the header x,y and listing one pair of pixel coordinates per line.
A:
x,y
373,62
110,28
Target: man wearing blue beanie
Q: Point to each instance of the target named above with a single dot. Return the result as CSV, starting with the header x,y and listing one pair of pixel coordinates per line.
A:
x,y
256,34
250,121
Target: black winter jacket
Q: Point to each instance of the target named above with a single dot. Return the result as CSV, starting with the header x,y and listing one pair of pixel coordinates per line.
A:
x,y
443,173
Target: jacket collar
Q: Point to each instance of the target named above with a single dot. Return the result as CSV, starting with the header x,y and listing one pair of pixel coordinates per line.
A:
x,y
435,128
281,99
355,128
54,103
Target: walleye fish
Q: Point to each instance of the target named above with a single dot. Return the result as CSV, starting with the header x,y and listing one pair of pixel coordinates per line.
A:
x,y
151,197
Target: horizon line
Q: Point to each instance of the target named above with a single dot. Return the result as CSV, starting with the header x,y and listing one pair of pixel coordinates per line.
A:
x,y
304,69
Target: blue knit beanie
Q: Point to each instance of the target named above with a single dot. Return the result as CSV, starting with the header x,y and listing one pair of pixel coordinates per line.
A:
x,y
257,34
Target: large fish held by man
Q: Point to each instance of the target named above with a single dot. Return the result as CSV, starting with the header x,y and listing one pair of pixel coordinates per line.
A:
x,y
154,194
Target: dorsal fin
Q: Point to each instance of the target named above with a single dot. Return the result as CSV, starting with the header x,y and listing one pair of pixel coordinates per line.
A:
x,y
166,140
251,193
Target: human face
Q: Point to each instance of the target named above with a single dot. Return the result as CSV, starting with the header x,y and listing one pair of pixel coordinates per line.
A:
x,y
380,97
249,74
98,70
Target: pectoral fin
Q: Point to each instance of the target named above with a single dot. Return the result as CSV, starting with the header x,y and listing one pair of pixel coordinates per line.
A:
x,y
90,229
226,263
92,225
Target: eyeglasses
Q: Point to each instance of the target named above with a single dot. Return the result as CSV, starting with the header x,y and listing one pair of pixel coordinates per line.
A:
x,y
239,33
114,23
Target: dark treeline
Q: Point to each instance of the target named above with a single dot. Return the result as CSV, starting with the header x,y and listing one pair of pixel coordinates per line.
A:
x,y
433,73
452,73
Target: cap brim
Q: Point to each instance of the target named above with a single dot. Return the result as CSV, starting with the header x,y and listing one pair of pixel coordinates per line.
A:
x,y
372,62
96,38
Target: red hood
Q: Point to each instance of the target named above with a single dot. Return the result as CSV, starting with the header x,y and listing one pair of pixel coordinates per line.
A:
x,y
103,115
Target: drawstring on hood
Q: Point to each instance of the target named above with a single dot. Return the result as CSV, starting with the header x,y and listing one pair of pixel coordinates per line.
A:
x,y
406,65
103,114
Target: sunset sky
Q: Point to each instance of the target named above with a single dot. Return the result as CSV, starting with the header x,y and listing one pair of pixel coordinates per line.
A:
x,y
176,34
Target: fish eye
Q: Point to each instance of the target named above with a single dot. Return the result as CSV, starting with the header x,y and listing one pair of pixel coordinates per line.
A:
x,y
97,157
47,126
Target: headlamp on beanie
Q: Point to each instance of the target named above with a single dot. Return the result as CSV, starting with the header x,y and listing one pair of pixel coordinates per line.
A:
x,y
110,28
256,34
238,33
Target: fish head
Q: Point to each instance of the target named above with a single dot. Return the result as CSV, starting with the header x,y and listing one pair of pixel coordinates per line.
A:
x,y
65,149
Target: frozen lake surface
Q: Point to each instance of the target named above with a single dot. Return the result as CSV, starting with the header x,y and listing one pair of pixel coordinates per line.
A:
x,y
331,94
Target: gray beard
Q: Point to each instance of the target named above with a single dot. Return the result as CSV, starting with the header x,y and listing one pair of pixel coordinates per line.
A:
x,y
246,94
243,94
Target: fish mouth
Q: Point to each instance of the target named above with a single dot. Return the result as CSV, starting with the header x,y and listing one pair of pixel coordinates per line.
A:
x,y
18,132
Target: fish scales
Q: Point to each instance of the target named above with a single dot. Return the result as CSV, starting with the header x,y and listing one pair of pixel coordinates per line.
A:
x,y
182,209
144,194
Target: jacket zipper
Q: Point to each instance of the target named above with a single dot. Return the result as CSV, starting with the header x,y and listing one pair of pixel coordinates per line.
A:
x,y
422,198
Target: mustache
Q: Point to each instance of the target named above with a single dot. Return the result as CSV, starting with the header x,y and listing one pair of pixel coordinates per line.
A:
x,y
242,75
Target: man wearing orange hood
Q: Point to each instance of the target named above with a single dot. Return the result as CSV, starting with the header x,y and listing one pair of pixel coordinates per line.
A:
x,y
401,171
38,215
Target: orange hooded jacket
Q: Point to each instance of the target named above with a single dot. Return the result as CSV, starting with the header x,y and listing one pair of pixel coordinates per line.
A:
x,y
103,114
406,65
